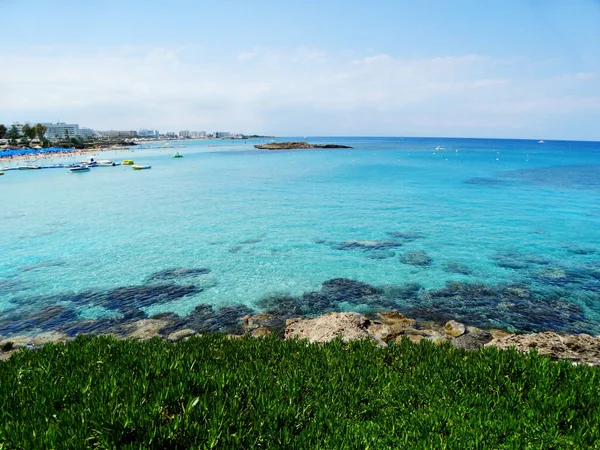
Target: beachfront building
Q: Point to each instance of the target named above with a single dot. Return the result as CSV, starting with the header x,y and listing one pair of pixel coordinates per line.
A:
x,y
61,130
185,134
197,134
118,133
222,134
148,133
171,134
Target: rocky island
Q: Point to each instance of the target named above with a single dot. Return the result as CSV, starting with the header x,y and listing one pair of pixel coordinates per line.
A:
x,y
296,146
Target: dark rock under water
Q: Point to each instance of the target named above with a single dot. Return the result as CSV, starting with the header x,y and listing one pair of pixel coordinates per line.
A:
x,y
175,274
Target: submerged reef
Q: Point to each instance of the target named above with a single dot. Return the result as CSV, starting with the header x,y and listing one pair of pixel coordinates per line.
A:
x,y
542,302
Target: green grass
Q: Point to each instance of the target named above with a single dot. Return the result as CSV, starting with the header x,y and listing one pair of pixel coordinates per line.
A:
x,y
213,392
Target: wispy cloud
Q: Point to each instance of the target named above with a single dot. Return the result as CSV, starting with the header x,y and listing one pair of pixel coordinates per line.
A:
x,y
302,90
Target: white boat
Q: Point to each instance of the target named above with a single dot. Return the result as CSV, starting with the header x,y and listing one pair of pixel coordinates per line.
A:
x,y
177,155
439,147
28,167
541,142
107,163
80,169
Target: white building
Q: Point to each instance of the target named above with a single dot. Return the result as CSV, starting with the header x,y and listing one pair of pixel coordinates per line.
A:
x,y
148,133
118,133
61,130
184,134
197,134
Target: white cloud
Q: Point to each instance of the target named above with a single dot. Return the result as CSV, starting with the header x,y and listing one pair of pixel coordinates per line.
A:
x,y
299,91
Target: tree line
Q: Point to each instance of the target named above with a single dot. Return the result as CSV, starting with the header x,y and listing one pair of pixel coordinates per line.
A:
x,y
26,134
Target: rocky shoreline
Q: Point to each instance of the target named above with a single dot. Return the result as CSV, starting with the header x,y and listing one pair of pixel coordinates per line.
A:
x,y
296,146
384,328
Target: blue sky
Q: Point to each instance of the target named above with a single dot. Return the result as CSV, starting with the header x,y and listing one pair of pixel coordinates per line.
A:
x,y
502,68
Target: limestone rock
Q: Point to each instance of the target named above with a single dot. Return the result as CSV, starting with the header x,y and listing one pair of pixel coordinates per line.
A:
x,y
348,325
15,342
473,340
145,329
454,328
389,325
581,348
54,337
181,334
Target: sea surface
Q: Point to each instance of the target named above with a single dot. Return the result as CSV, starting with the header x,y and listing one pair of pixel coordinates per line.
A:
x,y
495,233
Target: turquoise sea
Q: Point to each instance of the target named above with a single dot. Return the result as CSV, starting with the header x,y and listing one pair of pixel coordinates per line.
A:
x,y
502,233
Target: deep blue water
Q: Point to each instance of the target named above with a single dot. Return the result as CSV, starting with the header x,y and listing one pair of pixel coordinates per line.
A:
x,y
492,232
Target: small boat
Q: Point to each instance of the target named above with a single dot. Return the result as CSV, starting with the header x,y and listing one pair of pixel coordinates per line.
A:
x,y
107,163
28,167
541,142
439,147
136,167
1,173
177,155
80,169
128,162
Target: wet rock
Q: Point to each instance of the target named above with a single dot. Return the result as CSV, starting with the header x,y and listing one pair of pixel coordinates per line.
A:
x,y
584,277
283,306
205,319
345,289
380,255
368,245
93,327
416,258
144,329
581,348
27,321
405,236
472,340
176,274
170,316
250,241
457,267
515,306
348,326
180,335
270,322
516,260
454,328
403,291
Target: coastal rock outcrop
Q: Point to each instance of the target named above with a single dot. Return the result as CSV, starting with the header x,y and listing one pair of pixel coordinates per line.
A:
x,y
296,146
581,348
347,325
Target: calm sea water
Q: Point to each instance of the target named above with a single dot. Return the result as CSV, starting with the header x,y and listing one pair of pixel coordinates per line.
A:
x,y
493,232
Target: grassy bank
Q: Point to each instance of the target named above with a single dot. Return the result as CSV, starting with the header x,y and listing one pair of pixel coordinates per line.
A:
x,y
212,392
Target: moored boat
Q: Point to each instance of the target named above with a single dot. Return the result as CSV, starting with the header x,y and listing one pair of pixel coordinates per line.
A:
x,y
138,167
107,163
177,155
28,167
79,169
128,162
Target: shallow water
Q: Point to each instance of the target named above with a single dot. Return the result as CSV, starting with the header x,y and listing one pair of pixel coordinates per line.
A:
x,y
516,222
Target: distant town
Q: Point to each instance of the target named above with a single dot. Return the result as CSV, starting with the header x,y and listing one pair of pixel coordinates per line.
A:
x,y
61,134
